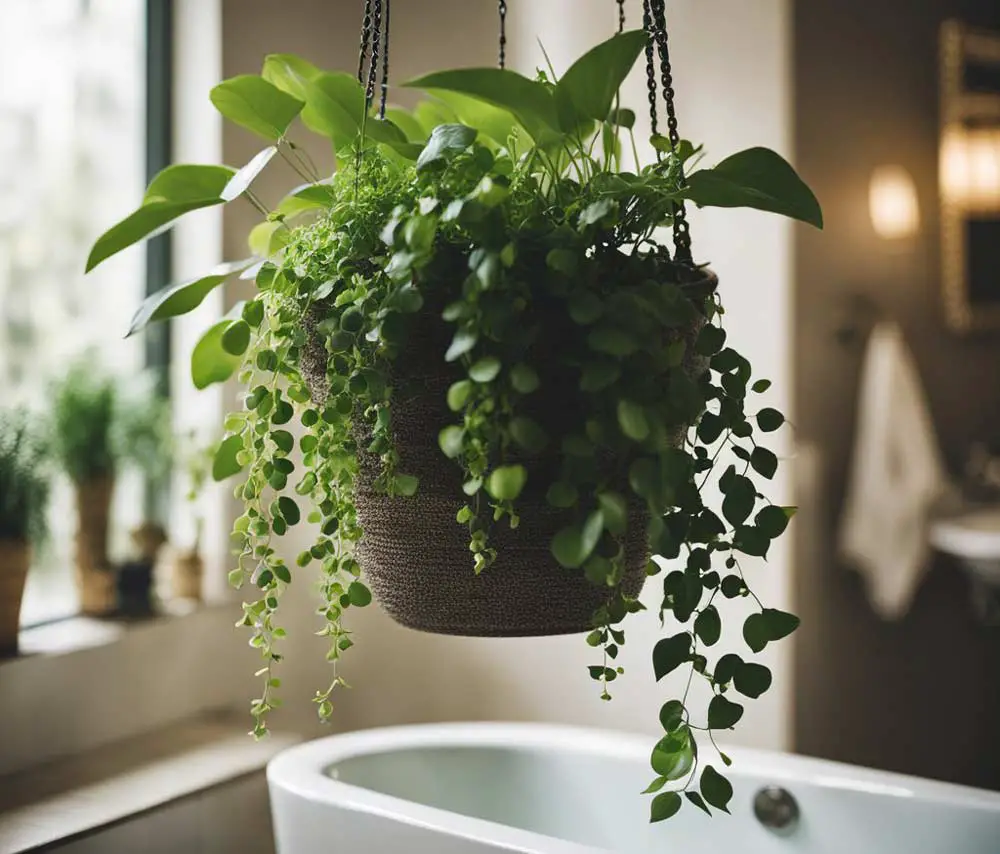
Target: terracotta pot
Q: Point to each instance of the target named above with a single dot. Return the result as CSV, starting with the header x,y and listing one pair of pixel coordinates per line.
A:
x,y
95,577
413,552
15,558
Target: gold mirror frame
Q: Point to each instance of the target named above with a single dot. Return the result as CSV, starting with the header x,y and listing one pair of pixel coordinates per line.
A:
x,y
967,119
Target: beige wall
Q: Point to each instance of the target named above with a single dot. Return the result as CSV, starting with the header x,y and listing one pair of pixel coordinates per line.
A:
x,y
733,95
871,692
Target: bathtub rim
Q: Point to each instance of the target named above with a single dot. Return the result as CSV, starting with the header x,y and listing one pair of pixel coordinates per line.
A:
x,y
303,771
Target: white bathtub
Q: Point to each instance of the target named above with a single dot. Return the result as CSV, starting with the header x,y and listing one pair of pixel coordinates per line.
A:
x,y
477,788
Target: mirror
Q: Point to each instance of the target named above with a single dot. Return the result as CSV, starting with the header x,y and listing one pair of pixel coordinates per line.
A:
x,y
969,176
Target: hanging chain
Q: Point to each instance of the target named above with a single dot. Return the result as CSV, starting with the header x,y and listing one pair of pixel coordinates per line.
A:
x,y
373,68
502,9
385,62
666,78
366,34
621,16
647,25
658,33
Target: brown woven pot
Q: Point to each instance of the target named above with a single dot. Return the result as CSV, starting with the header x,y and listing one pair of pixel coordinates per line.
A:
x,y
186,570
416,556
95,579
15,558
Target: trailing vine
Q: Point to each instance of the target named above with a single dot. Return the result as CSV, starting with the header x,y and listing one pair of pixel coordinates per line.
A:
x,y
515,215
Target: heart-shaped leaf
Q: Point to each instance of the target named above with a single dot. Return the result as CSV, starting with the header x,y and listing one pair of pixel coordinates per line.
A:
x,y
257,105
756,178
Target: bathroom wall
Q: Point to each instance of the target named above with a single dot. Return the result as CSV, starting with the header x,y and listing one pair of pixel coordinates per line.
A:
x,y
734,91
921,695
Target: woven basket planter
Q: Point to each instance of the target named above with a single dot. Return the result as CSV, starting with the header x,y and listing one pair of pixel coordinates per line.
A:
x,y
15,558
416,556
95,579
186,571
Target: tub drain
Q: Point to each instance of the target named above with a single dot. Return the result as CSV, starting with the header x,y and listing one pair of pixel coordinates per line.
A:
x,y
776,808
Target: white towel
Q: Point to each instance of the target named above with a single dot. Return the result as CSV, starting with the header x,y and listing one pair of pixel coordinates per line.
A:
x,y
897,476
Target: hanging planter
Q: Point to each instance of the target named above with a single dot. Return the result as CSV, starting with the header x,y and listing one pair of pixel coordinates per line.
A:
x,y
507,391
410,549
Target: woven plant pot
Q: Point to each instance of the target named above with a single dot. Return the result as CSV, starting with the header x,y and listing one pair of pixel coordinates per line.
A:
x,y
95,579
186,570
15,558
416,556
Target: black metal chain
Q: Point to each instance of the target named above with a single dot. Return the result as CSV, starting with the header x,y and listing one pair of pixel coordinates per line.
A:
x,y
366,34
647,25
385,62
373,68
682,229
621,16
502,9
666,78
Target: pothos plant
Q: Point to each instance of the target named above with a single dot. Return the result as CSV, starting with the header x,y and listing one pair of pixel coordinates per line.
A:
x,y
505,208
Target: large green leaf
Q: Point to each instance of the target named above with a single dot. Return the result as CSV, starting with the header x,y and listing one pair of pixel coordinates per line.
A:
x,y
529,101
756,178
174,192
335,107
182,297
430,114
408,123
210,363
187,182
387,133
289,73
587,90
241,181
494,122
307,197
254,103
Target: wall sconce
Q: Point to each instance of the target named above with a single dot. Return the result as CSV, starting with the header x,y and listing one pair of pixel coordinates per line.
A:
x,y
892,203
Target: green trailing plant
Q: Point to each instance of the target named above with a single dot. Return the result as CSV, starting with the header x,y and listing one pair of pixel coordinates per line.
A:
x,y
24,478
512,210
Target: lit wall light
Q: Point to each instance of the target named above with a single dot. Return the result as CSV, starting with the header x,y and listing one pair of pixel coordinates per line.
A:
x,y
892,203
970,168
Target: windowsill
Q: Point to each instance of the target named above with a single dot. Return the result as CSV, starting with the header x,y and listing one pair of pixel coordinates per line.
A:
x,y
72,634
79,795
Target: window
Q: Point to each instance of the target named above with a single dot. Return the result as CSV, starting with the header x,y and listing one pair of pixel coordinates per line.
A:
x,y
84,94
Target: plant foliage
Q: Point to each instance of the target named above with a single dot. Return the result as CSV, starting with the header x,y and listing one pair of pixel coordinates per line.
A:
x,y
24,478
100,424
506,210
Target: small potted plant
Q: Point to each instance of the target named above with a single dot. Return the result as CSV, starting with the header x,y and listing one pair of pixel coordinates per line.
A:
x,y
513,390
98,428
24,487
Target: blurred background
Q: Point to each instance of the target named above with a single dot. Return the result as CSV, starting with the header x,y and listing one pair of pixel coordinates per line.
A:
x,y
136,678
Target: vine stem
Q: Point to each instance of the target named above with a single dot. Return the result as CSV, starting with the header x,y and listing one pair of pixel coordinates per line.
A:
x,y
296,162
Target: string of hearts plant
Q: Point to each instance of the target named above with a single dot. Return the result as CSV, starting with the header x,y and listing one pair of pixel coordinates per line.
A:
x,y
510,216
